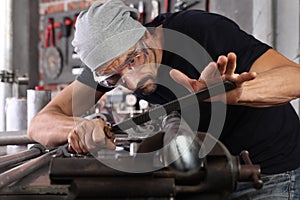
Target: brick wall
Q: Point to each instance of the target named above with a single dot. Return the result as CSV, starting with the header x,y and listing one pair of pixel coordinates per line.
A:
x,y
47,7
54,6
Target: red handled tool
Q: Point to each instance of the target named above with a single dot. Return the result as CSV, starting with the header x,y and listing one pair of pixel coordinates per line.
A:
x,y
66,32
155,9
50,37
141,11
52,63
166,7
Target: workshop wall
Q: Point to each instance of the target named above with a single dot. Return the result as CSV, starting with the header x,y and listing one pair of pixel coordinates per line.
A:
x,y
56,29
60,69
58,64
55,6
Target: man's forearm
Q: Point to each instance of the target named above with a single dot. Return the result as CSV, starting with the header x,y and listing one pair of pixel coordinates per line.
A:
x,y
51,129
273,87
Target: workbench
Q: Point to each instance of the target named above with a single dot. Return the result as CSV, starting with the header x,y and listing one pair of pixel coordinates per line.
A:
x,y
91,177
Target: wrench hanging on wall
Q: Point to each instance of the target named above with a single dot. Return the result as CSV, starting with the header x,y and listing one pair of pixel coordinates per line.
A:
x,y
66,33
155,9
141,11
184,4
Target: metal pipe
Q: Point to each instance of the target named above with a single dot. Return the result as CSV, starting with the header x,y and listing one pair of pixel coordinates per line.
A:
x,y
5,91
12,133
6,36
23,170
6,52
14,138
10,160
182,148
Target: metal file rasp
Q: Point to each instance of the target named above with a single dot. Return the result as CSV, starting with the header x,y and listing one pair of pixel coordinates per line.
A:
x,y
175,105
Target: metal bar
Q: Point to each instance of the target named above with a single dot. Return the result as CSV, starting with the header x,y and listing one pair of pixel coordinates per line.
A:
x,y
23,170
182,147
15,140
136,187
9,160
174,105
12,133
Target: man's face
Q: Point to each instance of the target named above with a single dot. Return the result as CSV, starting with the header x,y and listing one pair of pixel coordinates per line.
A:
x,y
135,70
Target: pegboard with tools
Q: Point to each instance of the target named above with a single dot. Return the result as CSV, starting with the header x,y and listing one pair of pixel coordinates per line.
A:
x,y
58,57
60,64
149,9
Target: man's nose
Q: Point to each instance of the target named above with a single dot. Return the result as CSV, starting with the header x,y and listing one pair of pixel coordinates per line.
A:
x,y
130,81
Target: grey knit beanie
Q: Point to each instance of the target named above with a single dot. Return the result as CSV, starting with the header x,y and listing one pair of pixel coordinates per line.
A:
x,y
105,31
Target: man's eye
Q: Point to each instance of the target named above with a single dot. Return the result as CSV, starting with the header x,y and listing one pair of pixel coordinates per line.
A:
x,y
114,78
132,60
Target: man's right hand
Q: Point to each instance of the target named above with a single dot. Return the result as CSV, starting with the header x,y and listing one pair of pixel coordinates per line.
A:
x,y
89,135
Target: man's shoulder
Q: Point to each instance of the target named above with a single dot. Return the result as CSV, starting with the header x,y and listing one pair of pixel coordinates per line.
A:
x,y
188,20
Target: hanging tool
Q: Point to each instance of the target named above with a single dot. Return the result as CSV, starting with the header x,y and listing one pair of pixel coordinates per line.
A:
x,y
141,11
75,19
155,9
181,5
207,6
66,32
74,54
52,59
166,6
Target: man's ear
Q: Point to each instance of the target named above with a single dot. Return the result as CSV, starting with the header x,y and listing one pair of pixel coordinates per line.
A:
x,y
148,39
154,40
158,33
147,36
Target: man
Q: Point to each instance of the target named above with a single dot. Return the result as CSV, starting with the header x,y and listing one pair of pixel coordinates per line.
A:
x,y
117,50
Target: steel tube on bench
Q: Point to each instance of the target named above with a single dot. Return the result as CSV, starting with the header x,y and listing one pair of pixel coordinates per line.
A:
x,y
9,160
14,138
23,170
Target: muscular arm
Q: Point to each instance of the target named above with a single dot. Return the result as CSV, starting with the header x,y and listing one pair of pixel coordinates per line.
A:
x,y
55,121
273,80
277,81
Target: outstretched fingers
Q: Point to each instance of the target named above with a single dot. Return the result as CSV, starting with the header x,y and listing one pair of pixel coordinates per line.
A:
x,y
231,64
245,76
182,79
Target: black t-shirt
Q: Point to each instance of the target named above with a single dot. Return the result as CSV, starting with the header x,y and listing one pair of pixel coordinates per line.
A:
x,y
271,135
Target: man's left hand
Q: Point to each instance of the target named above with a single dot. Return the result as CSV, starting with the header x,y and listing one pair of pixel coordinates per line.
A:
x,y
216,72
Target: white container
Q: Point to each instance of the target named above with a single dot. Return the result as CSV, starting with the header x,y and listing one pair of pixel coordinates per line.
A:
x,y
36,99
16,120
5,92
16,114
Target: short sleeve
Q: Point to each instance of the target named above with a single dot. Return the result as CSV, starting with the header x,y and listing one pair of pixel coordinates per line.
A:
x,y
225,36
219,35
